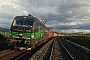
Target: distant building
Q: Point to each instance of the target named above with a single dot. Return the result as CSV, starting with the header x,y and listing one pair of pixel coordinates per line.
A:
x,y
4,32
80,32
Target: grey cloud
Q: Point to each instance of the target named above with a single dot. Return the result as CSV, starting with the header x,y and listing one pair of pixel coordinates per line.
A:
x,y
56,12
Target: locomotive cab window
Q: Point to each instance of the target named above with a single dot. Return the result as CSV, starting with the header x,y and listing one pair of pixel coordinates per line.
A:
x,y
17,22
27,22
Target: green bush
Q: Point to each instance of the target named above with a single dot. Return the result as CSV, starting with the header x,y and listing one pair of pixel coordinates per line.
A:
x,y
3,43
81,40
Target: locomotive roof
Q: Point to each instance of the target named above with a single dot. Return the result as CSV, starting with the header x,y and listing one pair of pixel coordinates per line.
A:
x,y
29,16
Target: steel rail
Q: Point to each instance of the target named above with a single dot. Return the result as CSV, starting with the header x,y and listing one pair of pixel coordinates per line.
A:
x,y
51,51
67,50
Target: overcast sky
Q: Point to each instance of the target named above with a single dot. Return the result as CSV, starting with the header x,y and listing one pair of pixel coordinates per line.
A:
x,y
69,16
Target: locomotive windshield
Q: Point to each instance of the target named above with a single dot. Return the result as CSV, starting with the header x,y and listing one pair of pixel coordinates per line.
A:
x,y
23,21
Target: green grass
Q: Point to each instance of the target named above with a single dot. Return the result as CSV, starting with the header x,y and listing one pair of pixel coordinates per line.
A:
x,y
81,40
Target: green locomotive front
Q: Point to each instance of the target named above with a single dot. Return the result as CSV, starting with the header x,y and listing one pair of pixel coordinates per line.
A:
x,y
27,31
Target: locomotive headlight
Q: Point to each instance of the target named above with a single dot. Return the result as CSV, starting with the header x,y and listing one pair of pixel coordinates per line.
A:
x,y
20,34
32,35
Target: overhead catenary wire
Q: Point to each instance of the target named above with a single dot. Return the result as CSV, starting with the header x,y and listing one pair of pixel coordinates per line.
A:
x,y
44,19
39,11
61,7
61,11
35,7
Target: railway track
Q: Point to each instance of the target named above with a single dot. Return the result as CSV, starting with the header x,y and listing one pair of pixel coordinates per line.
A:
x,y
52,51
40,55
5,53
29,54
77,53
18,55
55,49
59,52
60,49
8,55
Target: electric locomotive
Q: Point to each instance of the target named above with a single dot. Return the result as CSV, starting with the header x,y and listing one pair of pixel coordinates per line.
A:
x,y
27,32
